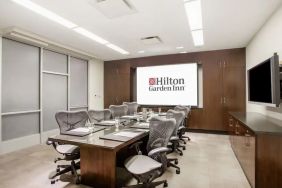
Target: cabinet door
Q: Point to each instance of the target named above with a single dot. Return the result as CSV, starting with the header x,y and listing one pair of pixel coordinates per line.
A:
x,y
233,89
212,78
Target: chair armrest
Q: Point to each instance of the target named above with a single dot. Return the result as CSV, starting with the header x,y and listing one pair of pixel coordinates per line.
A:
x,y
158,150
181,128
174,138
136,146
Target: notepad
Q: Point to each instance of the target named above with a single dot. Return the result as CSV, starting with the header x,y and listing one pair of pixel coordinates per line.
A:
x,y
127,134
80,130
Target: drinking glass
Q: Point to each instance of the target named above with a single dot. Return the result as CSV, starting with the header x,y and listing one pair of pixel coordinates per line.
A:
x,y
117,122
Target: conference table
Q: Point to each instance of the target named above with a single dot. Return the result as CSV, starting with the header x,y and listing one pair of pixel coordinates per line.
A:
x,y
98,157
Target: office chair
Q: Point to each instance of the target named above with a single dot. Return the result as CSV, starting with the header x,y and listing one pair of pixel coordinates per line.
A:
x,y
145,169
131,106
182,128
174,140
99,115
67,121
118,110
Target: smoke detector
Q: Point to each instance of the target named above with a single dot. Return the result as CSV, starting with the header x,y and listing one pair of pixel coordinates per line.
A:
x,y
114,8
151,40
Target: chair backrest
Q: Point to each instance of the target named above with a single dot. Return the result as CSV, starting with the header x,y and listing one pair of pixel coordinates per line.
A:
x,y
185,109
159,135
68,120
178,116
118,110
131,106
99,115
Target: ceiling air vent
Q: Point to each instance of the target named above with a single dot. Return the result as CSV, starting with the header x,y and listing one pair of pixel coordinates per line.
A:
x,y
151,40
115,8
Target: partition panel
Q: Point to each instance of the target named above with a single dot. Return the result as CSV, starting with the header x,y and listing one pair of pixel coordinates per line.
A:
x,y
78,82
20,77
19,125
54,98
55,62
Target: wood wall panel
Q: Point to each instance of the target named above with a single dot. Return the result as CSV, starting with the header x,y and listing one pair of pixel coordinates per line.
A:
x,y
118,85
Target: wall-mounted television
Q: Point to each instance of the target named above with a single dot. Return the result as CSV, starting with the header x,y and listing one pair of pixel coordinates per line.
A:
x,y
264,81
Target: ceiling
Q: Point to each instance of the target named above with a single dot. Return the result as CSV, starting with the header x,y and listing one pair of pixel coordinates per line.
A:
x,y
227,24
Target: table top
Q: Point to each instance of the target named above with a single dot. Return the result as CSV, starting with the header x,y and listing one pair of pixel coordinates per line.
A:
x,y
259,123
94,140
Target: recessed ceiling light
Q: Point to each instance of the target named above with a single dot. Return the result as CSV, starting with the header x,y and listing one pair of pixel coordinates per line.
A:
x,y
194,14
198,37
179,47
184,52
90,35
46,13
141,52
56,18
118,49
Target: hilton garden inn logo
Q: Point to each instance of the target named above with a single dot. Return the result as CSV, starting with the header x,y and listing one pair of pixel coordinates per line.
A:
x,y
166,84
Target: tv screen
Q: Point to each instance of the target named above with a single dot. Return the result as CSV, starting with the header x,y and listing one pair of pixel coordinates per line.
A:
x,y
264,82
260,89
168,85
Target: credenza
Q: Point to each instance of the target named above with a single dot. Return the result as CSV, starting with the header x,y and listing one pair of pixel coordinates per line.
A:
x,y
257,143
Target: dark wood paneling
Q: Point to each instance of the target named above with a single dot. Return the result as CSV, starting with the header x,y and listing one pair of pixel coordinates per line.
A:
x,y
118,85
269,160
258,151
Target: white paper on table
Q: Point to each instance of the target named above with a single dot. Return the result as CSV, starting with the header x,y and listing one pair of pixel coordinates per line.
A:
x,y
81,130
129,116
127,134
108,122
143,124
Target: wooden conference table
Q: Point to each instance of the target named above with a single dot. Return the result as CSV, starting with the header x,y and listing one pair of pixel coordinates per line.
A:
x,y
98,157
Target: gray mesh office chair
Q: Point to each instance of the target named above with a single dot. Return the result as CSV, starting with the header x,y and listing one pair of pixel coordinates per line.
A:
x,y
67,121
99,115
118,110
131,106
147,168
182,128
174,140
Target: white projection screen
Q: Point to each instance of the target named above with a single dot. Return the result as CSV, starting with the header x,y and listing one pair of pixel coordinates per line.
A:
x,y
168,85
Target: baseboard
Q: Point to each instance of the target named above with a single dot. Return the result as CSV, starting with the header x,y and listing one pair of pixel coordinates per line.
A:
x,y
207,131
47,134
19,143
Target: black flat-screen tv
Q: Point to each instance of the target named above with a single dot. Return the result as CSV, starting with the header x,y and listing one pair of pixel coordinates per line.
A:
x,y
264,81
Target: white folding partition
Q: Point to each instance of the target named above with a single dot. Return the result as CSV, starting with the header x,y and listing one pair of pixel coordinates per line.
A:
x,y
36,83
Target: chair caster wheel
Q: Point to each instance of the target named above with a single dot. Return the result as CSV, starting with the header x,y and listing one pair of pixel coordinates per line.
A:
x,y
177,171
78,180
184,142
176,162
184,148
58,170
189,139
53,181
165,184
181,154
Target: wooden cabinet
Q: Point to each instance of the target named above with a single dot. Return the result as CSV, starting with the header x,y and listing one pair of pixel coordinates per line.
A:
x,y
257,144
243,144
223,84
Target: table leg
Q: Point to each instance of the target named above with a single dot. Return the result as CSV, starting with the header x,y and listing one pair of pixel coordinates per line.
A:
x,y
98,167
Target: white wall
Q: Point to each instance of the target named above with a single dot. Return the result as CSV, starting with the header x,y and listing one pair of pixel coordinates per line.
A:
x,y
266,42
96,84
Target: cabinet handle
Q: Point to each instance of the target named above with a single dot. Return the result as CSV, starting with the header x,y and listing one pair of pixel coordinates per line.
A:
x,y
247,140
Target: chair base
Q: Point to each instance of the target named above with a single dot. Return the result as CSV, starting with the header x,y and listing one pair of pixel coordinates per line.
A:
x,y
148,185
73,167
174,165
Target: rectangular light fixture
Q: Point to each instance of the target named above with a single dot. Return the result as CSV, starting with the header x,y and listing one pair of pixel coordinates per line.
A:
x,y
56,18
194,13
46,13
118,49
193,10
198,37
90,35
